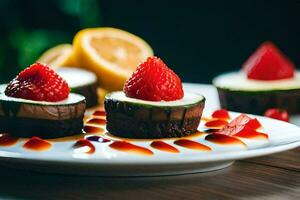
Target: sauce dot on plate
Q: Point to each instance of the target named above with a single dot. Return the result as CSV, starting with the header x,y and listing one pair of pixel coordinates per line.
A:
x,y
84,146
37,144
190,144
7,140
223,139
130,148
96,138
92,129
96,121
162,146
216,123
99,113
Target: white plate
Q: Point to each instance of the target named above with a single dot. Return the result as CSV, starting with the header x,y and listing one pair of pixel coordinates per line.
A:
x,y
106,161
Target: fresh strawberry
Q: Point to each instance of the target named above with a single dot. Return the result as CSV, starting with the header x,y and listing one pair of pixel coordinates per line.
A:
x,y
268,63
40,83
276,113
240,123
231,130
242,119
154,81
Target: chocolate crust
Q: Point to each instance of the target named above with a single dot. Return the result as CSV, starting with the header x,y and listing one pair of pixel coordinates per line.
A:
x,y
42,120
29,127
259,102
35,111
137,121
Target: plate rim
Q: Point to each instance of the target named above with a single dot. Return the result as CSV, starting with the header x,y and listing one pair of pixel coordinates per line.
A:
x,y
230,156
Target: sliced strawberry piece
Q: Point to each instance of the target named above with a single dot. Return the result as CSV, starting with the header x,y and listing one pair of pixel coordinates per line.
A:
x,y
238,125
40,83
231,130
221,114
268,63
154,81
254,124
241,120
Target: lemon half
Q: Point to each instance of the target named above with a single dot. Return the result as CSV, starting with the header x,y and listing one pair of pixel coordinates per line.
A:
x,y
111,53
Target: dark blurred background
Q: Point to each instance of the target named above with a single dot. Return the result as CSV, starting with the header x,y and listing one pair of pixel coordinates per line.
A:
x,y
198,39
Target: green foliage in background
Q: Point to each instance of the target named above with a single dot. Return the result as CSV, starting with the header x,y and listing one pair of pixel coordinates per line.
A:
x,y
28,28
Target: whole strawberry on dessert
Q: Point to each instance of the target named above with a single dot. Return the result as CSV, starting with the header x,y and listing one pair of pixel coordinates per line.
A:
x,y
38,102
268,79
153,105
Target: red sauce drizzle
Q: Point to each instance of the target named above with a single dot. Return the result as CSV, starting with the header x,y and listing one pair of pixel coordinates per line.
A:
x,y
7,140
160,145
216,123
190,144
99,113
96,138
223,139
221,114
251,134
96,121
81,144
93,129
130,148
37,144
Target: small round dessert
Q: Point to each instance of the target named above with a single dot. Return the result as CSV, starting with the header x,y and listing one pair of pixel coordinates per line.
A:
x,y
153,104
268,80
238,93
27,118
82,82
135,118
37,102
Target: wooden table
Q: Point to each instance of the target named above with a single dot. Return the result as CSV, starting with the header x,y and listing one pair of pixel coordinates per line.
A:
x,y
270,177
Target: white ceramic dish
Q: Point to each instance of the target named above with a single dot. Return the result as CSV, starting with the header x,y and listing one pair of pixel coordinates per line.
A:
x,y
106,161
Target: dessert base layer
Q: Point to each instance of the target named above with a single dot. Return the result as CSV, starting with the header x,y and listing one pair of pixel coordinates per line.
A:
x,y
28,127
136,121
259,102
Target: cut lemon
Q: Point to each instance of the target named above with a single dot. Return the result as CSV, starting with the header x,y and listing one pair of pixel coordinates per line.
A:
x,y
58,56
111,53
